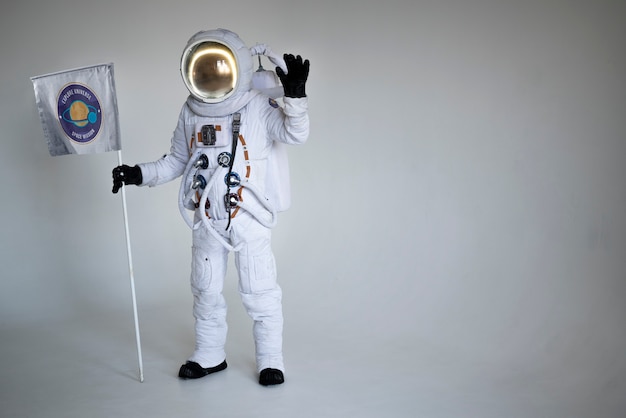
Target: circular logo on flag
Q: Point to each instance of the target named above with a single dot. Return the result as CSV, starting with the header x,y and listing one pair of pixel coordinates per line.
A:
x,y
79,113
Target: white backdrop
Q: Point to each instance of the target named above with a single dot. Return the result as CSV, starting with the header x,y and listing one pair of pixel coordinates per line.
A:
x,y
462,187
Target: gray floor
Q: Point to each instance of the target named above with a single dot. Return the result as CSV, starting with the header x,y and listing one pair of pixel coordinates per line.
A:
x,y
86,366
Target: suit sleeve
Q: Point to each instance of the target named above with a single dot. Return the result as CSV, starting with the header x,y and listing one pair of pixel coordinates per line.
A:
x,y
171,165
291,124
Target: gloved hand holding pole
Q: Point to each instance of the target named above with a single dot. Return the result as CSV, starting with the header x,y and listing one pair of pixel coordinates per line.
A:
x,y
124,174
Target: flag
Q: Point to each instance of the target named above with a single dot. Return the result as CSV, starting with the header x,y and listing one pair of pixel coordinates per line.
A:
x,y
78,110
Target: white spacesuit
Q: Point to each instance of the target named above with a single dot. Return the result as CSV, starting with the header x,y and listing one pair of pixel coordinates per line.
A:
x,y
225,149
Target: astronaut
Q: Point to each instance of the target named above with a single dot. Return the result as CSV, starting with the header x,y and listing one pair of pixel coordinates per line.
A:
x,y
225,148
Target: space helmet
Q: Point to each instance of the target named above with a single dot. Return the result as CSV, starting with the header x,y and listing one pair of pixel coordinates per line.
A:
x,y
216,65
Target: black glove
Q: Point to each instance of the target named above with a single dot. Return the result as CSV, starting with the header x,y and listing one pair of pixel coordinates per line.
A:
x,y
295,79
126,175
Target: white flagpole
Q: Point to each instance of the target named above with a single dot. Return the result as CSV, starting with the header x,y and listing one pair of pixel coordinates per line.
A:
x,y
130,269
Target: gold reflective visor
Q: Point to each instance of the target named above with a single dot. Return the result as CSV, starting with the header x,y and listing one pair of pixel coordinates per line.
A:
x,y
210,71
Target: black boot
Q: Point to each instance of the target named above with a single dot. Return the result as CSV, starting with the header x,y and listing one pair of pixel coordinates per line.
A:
x,y
270,377
192,370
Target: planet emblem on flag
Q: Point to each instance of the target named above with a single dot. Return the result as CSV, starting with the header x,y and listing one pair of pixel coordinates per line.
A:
x,y
79,112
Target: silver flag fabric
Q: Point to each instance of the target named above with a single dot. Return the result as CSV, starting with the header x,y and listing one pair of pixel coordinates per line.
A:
x,y
78,110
